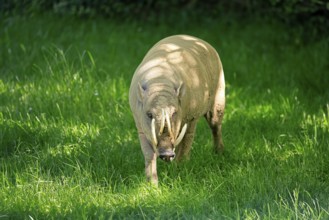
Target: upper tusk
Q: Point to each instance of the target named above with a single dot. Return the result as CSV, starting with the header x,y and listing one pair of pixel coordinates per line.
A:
x,y
163,118
181,135
154,137
169,126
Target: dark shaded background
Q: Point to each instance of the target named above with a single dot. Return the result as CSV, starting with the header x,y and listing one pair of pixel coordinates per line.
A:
x,y
310,14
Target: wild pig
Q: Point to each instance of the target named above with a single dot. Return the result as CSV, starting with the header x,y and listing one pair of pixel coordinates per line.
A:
x,y
180,79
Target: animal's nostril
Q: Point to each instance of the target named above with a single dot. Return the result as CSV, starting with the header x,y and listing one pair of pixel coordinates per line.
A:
x,y
167,158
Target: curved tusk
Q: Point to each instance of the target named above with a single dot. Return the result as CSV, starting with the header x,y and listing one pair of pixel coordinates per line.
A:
x,y
163,119
181,135
154,137
169,125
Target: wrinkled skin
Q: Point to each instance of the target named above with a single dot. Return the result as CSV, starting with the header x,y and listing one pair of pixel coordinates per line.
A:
x,y
179,80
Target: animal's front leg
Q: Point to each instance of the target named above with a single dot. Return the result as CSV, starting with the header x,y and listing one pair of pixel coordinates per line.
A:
x,y
185,146
150,160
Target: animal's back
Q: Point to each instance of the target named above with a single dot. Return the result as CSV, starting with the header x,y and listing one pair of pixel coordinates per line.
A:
x,y
187,54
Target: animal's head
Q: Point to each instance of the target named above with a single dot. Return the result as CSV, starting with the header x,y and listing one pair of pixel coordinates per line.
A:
x,y
161,117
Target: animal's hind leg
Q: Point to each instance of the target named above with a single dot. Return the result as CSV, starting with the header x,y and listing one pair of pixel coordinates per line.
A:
x,y
215,116
214,119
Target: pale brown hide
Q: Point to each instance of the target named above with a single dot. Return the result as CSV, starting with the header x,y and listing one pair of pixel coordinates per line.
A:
x,y
183,75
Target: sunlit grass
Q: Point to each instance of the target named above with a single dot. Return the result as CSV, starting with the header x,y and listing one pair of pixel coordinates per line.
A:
x,y
69,146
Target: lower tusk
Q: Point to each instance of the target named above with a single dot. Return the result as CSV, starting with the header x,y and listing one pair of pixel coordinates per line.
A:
x,y
154,137
155,150
181,135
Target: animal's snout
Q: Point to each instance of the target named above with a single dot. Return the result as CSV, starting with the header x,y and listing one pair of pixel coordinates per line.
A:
x,y
167,156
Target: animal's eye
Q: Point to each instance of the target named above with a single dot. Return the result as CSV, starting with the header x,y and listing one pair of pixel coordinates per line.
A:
x,y
174,114
149,115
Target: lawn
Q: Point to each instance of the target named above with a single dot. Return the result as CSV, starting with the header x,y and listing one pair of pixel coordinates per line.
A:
x,y
69,146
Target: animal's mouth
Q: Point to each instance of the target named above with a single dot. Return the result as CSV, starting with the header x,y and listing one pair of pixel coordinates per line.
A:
x,y
168,157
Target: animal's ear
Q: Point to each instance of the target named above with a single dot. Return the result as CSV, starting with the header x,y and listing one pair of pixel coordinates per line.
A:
x,y
140,93
179,89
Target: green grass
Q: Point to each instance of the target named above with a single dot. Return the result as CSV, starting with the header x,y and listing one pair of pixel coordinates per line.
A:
x,y
69,147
